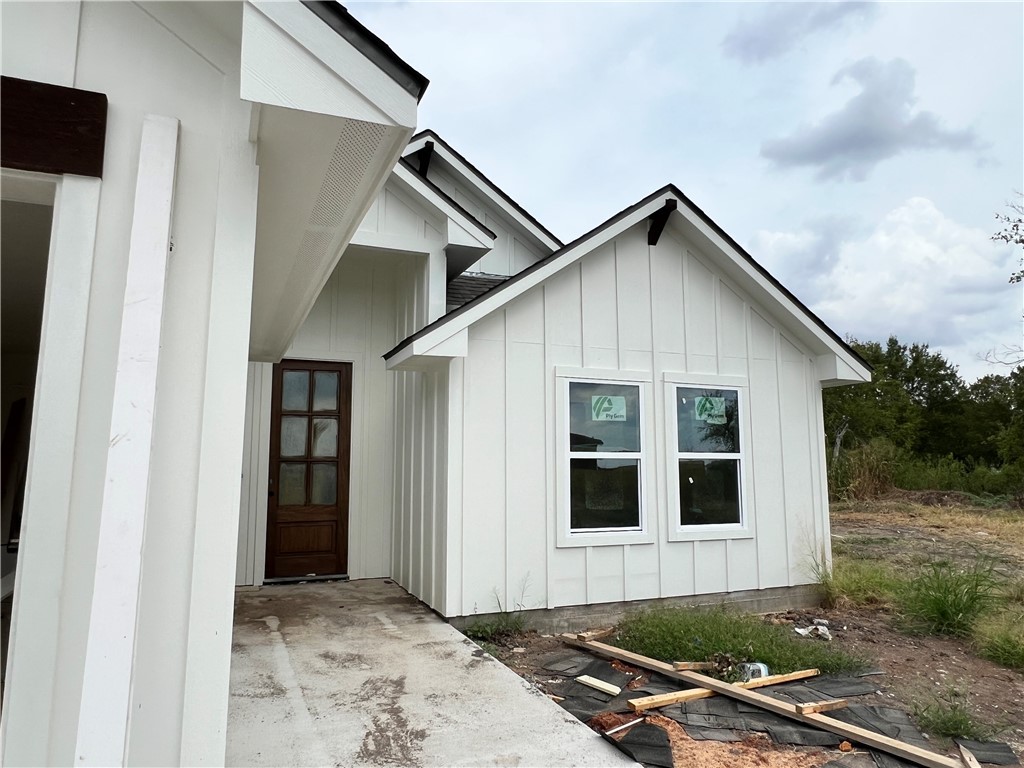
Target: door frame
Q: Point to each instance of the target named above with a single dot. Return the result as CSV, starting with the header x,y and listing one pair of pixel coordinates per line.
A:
x,y
256,474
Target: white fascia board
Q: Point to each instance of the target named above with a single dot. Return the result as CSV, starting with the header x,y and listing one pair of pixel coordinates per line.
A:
x,y
471,176
790,309
290,58
833,371
417,356
853,370
412,182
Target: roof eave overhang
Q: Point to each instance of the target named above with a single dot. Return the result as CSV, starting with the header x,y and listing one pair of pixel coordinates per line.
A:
x,y
540,236
836,362
329,125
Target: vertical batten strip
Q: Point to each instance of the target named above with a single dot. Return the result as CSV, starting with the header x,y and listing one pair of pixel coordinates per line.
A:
x,y
106,689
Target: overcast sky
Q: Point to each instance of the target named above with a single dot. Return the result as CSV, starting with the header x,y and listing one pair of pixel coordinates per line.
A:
x,y
859,151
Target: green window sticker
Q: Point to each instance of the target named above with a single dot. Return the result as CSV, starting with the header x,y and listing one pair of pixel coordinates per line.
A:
x,y
610,408
710,409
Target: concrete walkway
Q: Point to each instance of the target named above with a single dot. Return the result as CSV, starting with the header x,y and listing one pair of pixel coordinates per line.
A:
x,y
362,674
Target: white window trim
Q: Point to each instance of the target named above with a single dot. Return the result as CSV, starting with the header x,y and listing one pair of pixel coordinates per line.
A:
x,y
566,537
745,528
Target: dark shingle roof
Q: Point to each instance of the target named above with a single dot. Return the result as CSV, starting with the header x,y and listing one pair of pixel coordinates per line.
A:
x,y
467,287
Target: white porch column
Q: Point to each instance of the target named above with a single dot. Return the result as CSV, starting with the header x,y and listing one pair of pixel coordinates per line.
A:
x,y
211,606
106,692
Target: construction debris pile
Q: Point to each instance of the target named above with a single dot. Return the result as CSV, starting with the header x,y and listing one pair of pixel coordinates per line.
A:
x,y
801,709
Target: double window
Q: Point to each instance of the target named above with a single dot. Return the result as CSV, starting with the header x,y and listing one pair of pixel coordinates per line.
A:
x,y
607,459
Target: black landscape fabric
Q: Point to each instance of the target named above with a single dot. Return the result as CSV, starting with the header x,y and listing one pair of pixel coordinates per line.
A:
x,y
993,752
647,744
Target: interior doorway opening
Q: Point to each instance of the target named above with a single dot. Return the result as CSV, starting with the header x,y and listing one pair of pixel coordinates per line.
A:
x,y
26,219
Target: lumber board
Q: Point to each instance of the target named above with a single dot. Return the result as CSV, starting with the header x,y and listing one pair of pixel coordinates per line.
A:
x,y
599,685
863,736
595,634
820,706
693,666
692,694
969,760
611,652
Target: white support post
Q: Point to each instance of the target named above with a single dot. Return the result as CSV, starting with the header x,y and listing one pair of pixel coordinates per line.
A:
x,y
106,690
211,606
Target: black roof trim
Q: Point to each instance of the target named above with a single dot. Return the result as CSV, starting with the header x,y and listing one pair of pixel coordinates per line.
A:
x,y
337,17
448,199
494,188
669,189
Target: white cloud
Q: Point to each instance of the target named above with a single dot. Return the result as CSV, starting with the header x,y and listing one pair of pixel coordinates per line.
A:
x,y
778,27
876,124
919,275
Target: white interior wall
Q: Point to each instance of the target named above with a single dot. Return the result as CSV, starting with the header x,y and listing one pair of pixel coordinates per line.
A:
x,y
626,307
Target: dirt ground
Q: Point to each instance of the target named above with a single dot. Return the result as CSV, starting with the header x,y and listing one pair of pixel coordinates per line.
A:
x,y
903,530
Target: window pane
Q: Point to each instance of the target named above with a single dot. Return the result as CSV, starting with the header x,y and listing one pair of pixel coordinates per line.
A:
x,y
325,391
604,417
292,487
325,484
709,491
325,437
293,435
295,391
708,420
605,493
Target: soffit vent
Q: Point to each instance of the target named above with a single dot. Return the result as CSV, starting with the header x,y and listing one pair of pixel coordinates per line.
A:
x,y
352,156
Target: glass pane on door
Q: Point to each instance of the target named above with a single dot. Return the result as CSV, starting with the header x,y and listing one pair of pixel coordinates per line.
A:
x,y
293,435
295,391
325,391
292,486
325,438
325,484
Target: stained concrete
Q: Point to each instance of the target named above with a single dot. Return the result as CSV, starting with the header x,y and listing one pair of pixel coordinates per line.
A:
x,y
362,674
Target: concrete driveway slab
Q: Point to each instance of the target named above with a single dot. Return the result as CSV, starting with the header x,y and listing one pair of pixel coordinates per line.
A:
x,y
362,674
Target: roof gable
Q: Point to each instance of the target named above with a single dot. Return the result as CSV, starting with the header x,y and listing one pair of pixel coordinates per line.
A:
x,y
466,172
694,225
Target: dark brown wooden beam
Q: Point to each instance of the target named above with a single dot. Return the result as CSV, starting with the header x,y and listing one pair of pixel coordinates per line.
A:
x,y
659,219
52,129
423,157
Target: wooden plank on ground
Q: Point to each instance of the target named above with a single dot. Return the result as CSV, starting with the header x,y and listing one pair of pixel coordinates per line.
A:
x,y
820,706
595,634
852,732
969,760
693,666
692,694
611,652
599,685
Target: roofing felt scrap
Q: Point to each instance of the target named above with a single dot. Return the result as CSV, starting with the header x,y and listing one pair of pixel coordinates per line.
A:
x,y
853,733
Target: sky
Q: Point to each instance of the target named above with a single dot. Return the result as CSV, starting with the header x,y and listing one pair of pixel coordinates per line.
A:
x,y
859,151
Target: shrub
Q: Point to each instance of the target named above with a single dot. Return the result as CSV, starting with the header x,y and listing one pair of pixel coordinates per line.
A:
x,y
701,634
866,472
945,600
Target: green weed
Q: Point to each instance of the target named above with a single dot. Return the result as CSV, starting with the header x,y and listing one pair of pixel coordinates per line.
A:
x,y
1000,638
852,581
700,634
499,629
950,717
946,600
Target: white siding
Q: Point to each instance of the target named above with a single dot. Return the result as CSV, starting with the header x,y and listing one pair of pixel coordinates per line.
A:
x,y
626,307
513,251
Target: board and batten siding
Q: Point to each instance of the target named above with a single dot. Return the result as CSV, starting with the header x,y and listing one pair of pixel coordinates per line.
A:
x,y
512,252
372,300
625,307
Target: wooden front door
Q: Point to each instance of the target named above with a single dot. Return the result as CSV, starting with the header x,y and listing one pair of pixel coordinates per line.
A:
x,y
307,512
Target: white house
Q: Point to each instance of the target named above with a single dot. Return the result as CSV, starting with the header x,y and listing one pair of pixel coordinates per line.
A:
x,y
225,255
179,180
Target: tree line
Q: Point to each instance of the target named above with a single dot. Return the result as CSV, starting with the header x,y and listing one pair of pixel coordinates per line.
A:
x,y
917,422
